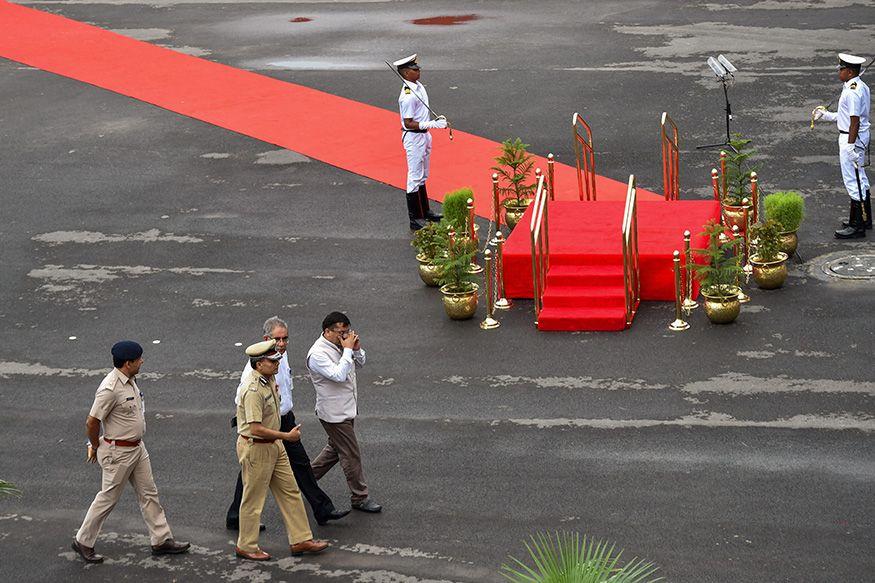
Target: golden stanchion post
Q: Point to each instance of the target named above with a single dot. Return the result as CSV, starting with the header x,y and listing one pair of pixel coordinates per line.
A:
x,y
755,197
502,303
679,323
496,207
489,323
742,297
715,184
550,175
747,268
723,172
689,302
472,234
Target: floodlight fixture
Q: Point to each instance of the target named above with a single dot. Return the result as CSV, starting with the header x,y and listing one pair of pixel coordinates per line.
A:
x,y
717,67
730,68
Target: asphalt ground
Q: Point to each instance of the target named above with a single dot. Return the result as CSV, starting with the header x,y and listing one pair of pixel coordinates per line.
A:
x,y
736,453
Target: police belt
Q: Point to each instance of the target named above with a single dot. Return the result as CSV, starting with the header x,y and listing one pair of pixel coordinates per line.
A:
x,y
122,442
257,440
405,130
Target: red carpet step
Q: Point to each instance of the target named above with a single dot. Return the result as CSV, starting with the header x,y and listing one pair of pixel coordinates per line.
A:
x,y
584,288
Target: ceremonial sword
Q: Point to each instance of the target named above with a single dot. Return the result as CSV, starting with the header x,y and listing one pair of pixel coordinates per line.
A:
x,y
421,100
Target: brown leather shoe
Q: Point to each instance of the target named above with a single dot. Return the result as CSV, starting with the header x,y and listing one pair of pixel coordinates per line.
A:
x,y
308,547
86,553
170,547
258,555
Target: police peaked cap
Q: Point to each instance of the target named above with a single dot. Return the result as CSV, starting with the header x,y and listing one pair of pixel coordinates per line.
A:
x,y
264,349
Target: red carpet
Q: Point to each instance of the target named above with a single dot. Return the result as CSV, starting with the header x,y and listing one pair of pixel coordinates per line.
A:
x,y
347,134
585,282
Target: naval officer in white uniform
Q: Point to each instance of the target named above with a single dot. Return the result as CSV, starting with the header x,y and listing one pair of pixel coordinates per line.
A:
x,y
415,123
852,119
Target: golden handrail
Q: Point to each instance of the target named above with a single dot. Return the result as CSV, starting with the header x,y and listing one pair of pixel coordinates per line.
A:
x,y
540,245
631,269
585,157
670,158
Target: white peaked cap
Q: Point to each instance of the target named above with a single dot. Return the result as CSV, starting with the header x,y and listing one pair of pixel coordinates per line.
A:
x,y
405,61
851,59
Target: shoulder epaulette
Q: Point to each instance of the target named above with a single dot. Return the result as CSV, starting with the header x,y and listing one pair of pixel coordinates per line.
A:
x,y
853,85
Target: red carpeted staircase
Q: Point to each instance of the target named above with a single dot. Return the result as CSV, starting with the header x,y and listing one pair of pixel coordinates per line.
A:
x,y
584,294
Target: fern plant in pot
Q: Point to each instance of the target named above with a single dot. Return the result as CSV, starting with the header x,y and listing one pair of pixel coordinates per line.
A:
x,y
718,274
458,287
514,169
429,241
787,208
769,262
737,180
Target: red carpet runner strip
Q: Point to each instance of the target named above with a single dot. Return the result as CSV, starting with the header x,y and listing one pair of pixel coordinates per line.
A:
x,y
353,136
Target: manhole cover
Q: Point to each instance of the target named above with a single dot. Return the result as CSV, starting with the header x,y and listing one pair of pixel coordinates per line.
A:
x,y
851,267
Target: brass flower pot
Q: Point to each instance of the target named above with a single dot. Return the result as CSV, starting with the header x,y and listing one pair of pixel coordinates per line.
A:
x,y
460,305
428,273
789,242
722,307
770,274
513,213
734,216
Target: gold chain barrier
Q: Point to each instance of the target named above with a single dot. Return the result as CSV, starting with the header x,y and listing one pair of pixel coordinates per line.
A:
x,y
631,279
670,158
679,323
689,302
584,156
489,322
540,245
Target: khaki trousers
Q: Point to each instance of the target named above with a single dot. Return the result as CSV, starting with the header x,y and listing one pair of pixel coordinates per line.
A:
x,y
120,465
263,466
343,446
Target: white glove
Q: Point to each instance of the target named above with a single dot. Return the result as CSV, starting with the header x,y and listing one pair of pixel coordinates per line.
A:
x,y
438,124
851,152
820,112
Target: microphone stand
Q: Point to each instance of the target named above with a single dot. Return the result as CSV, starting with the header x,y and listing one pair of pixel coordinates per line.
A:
x,y
728,110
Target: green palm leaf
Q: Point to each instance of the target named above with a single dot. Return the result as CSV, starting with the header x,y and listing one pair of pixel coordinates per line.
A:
x,y
9,489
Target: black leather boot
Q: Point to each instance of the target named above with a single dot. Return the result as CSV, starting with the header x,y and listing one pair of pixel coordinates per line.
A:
x,y
414,211
423,200
855,229
868,206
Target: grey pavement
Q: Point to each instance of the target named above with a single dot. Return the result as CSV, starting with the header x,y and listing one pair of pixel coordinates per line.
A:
x,y
724,454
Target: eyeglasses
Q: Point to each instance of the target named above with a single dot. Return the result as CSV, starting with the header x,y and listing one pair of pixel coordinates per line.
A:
x,y
341,333
280,338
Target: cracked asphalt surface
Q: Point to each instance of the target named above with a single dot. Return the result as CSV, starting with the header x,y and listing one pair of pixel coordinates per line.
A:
x,y
723,454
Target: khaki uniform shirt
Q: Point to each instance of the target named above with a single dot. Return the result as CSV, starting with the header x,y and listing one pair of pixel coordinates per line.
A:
x,y
259,403
118,403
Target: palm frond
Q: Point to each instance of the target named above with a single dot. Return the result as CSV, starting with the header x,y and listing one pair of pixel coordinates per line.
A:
x,y
9,489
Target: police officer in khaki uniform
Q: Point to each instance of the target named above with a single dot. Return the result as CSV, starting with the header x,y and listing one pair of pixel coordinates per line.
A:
x,y
263,460
118,405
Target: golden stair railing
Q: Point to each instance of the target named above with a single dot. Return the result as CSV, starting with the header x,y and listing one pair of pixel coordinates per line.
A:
x,y
585,157
631,264
538,229
670,158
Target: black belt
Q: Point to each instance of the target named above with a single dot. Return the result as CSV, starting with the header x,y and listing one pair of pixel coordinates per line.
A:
x,y
415,131
842,132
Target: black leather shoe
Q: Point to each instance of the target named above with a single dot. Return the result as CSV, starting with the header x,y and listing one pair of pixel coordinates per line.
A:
x,y
170,547
367,505
333,515
87,553
236,526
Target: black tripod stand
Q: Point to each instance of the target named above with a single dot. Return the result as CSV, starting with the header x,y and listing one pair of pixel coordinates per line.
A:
x,y
725,144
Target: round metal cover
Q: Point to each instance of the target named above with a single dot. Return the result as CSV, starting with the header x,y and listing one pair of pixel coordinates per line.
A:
x,y
857,266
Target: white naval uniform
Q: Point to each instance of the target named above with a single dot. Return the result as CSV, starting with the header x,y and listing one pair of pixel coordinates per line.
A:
x,y
853,101
416,144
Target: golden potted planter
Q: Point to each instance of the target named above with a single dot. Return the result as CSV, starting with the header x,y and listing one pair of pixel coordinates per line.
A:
x,y
734,216
513,212
460,305
722,306
788,242
770,274
428,272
